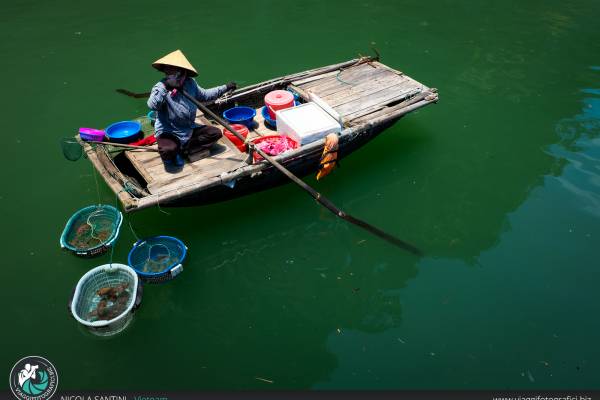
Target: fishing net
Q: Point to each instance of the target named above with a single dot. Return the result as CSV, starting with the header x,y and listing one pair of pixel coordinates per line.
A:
x,y
158,258
92,230
105,298
71,149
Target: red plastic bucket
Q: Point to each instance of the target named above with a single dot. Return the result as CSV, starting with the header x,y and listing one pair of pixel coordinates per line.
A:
x,y
273,145
278,100
242,130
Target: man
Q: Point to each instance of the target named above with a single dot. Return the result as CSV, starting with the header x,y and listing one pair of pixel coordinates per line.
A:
x,y
176,132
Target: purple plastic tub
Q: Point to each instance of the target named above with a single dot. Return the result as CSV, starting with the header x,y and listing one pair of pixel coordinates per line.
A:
x,y
91,134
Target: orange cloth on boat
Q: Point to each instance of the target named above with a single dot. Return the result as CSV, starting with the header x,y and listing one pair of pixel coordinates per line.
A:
x,y
329,157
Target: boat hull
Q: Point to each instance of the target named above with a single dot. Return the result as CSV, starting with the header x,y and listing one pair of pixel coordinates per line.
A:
x,y
271,177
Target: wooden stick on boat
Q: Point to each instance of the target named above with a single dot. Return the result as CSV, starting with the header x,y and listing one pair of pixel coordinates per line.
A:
x,y
316,195
126,146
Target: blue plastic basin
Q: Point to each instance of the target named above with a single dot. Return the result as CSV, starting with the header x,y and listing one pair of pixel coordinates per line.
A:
x,y
240,115
123,132
265,113
271,122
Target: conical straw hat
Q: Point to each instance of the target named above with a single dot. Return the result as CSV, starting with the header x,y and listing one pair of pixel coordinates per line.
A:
x,y
175,59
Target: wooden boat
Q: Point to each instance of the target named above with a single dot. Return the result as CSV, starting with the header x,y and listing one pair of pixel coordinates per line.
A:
x,y
365,95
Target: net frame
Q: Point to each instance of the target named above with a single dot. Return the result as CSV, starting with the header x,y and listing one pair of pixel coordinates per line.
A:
x,y
139,254
101,247
84,297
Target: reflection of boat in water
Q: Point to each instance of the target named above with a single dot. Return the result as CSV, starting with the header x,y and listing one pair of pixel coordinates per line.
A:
x,y
365,94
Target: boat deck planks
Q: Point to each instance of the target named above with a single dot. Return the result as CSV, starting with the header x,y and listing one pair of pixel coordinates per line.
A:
x,y
223,158
359,90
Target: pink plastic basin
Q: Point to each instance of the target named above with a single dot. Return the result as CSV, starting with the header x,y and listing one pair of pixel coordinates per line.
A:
x,y
278,100
95,135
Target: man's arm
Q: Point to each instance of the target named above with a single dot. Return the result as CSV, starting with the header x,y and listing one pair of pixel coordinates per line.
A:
x,y
210,94
157,96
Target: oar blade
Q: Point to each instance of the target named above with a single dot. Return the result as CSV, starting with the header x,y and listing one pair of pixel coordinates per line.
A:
x,y
132,94
383,235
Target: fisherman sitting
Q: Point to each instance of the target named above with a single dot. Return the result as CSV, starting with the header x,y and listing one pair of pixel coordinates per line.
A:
x,y
176,132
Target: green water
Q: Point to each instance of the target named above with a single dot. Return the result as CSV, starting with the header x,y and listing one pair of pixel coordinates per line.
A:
x,y
499,184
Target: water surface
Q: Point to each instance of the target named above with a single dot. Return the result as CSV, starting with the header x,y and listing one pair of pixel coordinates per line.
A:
x,y
499,184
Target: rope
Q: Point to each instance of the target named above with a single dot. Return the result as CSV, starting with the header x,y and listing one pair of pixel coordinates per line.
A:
x,y
159,208
137,239
112,248
337,76
96,180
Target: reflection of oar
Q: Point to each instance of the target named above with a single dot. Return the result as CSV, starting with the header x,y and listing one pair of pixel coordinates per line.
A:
x,y
316,195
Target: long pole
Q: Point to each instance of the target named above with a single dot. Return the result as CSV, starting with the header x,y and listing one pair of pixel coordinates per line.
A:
x,y
316,195
125,146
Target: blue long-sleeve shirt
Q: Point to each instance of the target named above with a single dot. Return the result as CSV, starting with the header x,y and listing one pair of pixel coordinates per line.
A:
x,y
176,114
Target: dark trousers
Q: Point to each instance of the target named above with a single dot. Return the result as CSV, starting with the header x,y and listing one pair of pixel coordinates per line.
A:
x,y
202,138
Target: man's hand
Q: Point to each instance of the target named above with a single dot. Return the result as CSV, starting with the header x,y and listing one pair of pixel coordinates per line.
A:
x,y
231,86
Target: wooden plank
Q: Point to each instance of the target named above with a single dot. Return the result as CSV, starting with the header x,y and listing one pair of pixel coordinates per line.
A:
x,y
332,76
373,92
366,90
209,166
314,78
378,79
346,82
139,160
426,95
381,97
376,105
111,176
351,75
166,182
378,64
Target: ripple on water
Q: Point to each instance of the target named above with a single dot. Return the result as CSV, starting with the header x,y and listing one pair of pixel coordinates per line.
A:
x,y
580,146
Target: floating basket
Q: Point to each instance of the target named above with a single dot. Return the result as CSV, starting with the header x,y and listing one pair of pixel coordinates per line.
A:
x,y
105,299
92,230
157,259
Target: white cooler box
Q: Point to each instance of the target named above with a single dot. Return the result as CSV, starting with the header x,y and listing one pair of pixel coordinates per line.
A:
x,y
306,123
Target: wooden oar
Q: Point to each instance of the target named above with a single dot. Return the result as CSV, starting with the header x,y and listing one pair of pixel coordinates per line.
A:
x,y
316,195
131,94
126,146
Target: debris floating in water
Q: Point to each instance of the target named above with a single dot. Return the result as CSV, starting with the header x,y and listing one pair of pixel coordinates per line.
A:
x,y
263,379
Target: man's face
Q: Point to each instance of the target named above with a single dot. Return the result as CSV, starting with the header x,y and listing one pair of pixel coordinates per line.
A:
x,y
170,70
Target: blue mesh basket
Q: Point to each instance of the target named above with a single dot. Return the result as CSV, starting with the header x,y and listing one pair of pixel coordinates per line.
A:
x,y
157,259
